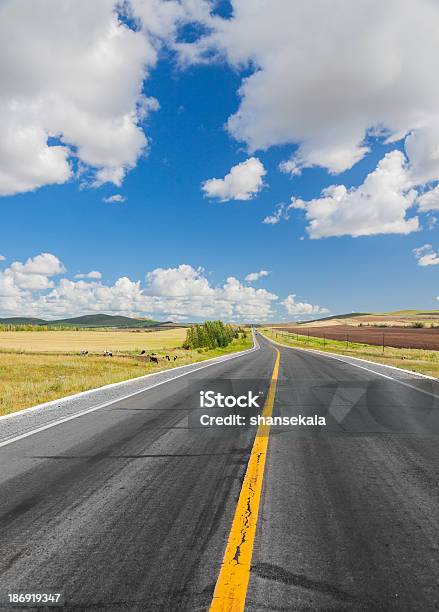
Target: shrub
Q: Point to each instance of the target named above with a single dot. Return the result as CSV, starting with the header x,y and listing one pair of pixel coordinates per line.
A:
x,y
211,335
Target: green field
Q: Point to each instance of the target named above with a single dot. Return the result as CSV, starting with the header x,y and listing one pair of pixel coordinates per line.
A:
x,y
416,360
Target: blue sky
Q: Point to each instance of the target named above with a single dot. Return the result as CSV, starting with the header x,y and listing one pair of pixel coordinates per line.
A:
x,y
167,220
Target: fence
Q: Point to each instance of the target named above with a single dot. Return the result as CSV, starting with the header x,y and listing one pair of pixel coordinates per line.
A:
x,y
348,338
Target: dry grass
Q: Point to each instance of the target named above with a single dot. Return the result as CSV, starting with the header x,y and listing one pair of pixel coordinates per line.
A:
x,y
27,379
416,360
402,318
93,341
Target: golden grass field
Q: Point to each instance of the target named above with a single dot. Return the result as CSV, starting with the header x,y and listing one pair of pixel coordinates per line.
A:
x,y
30,378
93,341
416,360
398,318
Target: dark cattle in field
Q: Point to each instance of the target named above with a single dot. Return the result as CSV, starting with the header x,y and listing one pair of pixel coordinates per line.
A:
x,y
143,352
84,353
175,358
153,359
108,354
168,358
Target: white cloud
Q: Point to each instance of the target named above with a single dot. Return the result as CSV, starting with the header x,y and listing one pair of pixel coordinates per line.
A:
x,y
74,72
301,308
281,213
45,264
114,198
183,281
429,200
247,302
179,293
378,206
2,258
426,256
243,182
183,292
254,276
161,18
290,166
93,274
33,275
325,75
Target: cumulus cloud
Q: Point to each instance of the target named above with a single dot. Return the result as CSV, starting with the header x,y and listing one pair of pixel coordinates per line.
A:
x,y
72,76
254,276
183,281
184,292
248,302
44,264
368,74
301,308
429,200
426,256
33,275
93,274
114,198
243,182
377,206
179,293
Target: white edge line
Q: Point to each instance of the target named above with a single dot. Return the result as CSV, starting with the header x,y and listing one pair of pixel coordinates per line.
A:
x,y
337,357
255,347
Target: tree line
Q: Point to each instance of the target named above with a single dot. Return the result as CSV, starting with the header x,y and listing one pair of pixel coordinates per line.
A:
x,y
43,328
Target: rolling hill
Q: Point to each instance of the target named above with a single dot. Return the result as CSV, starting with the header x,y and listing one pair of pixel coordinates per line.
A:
x,y
95,320
351,315
398,318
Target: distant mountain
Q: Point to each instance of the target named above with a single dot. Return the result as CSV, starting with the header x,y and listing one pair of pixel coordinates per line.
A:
x,y
95,320
104,320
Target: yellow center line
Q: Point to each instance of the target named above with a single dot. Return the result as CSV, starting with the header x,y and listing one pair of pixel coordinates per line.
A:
x,y
231,587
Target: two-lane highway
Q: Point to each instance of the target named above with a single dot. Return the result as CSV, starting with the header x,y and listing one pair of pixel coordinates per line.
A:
x,y
131,507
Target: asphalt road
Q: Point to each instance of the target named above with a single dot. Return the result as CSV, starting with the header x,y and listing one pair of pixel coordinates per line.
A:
x,y
130,507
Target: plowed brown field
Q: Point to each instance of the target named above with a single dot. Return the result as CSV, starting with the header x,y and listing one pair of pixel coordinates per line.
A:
x,y
398,337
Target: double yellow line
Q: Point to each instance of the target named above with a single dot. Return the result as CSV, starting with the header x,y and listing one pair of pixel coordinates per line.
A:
x,y
231,587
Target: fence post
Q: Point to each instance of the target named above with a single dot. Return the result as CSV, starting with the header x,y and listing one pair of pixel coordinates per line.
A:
x,y
347,341
383,343
324,340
